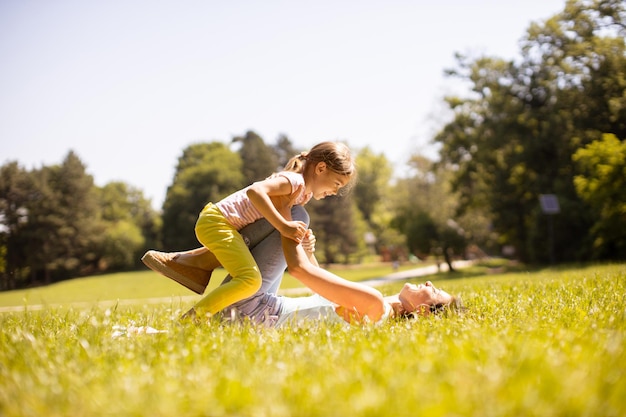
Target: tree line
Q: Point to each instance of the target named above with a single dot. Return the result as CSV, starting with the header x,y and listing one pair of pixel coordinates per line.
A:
x,y
551,122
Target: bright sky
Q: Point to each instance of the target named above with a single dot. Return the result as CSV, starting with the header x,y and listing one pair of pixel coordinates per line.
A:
x,y
128,84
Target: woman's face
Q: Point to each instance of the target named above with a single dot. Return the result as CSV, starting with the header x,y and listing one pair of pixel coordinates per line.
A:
x,y
419,298
327,182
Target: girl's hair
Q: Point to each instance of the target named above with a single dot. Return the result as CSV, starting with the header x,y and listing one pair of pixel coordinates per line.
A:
x,y
336,155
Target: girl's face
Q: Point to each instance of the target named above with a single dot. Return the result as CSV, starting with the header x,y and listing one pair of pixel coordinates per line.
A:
x,y
419,298
326,182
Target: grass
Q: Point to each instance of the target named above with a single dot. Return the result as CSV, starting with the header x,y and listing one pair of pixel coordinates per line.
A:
x,y
149,284
543,343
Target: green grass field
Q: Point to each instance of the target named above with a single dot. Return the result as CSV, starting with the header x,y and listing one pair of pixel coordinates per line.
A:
x,y
135,286
541,343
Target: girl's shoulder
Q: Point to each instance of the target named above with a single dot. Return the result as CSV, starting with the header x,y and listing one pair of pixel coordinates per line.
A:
x,y
294,178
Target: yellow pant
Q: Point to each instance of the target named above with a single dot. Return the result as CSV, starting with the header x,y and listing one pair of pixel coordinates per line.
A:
x,y
228,246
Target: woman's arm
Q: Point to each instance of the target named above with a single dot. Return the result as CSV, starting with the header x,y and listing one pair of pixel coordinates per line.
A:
x,y
357,300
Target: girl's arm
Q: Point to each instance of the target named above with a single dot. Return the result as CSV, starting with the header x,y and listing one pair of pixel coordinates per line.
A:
x,y
261,193
357,300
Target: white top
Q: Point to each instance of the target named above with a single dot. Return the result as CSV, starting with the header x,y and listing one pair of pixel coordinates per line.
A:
x,y
294,310
239,210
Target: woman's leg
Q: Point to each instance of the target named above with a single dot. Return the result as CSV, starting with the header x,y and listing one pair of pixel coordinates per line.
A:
x,y
202,258
266,248
271,261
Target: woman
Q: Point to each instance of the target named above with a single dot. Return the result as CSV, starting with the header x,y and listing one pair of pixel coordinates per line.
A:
x,y
336,298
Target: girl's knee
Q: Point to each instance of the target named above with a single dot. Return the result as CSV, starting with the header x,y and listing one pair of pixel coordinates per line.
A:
x,y
250,283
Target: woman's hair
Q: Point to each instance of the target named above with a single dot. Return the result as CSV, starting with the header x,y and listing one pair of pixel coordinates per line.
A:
x,y
454,306
335,155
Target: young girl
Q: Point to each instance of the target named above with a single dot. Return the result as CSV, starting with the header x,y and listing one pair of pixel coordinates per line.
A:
x,y
321,172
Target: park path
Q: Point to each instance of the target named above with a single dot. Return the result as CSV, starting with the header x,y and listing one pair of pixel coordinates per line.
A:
x,y
178,301
396,276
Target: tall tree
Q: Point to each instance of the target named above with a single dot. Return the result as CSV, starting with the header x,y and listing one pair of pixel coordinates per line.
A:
x,y
338,227
61,234
15,193
259,160
426,212
372,197
131,226
206,172
374,175
284,150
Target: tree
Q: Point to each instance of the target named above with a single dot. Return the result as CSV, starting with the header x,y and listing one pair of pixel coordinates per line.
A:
x,y
61,234
56,224
371,194
338,228
426,212
284,150
130,225
206,172
601,184
259,160
374,175
15,193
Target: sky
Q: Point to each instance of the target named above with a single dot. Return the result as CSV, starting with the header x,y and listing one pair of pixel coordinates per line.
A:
x,y
129,84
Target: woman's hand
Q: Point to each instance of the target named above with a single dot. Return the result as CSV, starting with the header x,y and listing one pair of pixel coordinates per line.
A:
x,y
294,230
308,243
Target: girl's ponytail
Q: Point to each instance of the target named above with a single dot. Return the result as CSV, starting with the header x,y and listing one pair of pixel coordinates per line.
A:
x,y
296,163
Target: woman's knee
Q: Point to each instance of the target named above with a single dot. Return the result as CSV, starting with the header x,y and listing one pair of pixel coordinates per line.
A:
x,y
299,213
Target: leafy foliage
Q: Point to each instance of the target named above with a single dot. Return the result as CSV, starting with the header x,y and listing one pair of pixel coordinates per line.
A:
x,y
259,160
337,226
514,137
601,183
426,213
56,224
60,230
206,172
130,225
284,150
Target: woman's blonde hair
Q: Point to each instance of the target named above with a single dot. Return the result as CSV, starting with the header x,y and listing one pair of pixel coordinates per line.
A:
x,y
455,306
335,155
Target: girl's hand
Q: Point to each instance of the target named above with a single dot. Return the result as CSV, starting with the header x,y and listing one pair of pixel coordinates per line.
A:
x,y
308,243
294,230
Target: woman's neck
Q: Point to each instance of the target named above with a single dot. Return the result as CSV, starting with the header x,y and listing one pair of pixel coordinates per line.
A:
x,y
395,304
